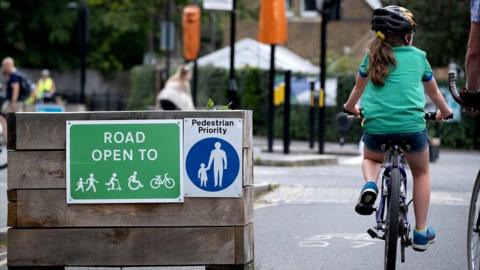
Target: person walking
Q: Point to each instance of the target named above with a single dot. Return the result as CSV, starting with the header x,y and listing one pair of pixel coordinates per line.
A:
x,y
176,94
12,86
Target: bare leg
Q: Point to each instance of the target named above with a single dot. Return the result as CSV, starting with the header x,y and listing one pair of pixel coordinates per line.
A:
x,y
372,163
472,62
419,165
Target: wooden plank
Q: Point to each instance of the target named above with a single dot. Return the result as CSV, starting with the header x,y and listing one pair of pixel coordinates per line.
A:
x,y
249,198
248,266
12,195
11,128
36,268
248,129
46,169
46,131
36,169
12,215
248,167
48,208
121,246
244,244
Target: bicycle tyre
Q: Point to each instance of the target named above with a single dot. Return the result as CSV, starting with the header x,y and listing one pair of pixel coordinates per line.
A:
x,y
472,223
391,228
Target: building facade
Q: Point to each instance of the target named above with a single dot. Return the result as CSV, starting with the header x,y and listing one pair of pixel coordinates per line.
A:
x,y
350,35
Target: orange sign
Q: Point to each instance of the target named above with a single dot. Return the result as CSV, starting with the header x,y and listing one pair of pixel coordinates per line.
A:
x,y
191,32
273,22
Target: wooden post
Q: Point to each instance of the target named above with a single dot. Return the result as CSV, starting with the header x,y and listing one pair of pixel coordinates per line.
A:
x,y
46,233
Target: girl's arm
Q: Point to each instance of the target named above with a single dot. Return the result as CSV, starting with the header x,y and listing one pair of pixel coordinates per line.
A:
x,y
357,91
436,96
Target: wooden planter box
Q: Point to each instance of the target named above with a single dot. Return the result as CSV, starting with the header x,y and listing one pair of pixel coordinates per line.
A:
x,y
46,232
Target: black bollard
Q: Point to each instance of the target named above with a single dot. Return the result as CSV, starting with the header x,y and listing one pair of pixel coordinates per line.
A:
x,y
312,115
286,113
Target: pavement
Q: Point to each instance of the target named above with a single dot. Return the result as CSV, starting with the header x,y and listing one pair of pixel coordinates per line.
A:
x,y
300,153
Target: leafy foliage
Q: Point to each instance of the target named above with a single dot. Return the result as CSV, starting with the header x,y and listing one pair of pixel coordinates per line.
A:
x,y
45,33
142,94
442,28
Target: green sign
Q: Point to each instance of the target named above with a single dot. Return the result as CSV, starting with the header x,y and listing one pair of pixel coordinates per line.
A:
x,y
124,161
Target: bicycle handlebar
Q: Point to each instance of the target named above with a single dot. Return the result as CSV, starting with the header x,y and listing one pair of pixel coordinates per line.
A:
x,y
351,113
430,116
452,86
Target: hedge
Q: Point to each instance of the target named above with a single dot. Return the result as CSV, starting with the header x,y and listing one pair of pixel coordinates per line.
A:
x,y
252,85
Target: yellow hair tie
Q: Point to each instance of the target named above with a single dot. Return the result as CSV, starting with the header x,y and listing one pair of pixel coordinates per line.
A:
x,y
380,35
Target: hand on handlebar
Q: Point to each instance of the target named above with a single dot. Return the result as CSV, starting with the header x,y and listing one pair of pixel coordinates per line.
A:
x,y
443,116
355,111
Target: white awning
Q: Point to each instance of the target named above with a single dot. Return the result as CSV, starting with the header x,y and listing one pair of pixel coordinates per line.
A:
x,y
374,4
251,53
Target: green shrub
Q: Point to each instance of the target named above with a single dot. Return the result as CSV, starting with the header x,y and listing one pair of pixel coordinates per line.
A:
x,y
252,90
142,94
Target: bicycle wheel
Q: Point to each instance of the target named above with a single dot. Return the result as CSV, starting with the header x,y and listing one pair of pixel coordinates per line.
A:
x,y
391,228
473,236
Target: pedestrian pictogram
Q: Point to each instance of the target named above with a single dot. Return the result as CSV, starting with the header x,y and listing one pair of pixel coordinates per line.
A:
x,y
213,150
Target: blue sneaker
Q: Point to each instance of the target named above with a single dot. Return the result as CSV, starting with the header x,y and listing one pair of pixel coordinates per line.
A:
x,y
423,239
367,199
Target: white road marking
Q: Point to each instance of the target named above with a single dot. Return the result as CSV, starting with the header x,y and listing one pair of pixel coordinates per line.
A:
x,y
325,240
351,161
362,244
3,262
299,194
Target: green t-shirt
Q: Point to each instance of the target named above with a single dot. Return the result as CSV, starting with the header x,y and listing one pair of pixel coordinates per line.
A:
x,y
397,107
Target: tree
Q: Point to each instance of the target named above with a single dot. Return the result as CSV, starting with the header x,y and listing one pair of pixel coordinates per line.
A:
x,y
44,33
442,28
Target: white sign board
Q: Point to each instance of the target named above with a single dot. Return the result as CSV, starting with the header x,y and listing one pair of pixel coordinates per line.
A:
x,y
218,4
213,157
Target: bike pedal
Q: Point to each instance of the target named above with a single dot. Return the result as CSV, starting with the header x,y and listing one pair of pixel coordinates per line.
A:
x,y
373,234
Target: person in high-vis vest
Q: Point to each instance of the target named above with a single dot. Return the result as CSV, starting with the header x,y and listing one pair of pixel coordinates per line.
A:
x,y
45,90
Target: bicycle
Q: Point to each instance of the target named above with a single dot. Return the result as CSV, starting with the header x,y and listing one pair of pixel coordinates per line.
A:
x,y
473,230
392,212
157,182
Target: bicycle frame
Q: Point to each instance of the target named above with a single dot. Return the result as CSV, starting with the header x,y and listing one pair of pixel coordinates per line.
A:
x,y
394,160
388,165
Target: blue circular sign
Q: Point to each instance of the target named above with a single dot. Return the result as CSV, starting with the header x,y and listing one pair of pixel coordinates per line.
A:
x,y
212,164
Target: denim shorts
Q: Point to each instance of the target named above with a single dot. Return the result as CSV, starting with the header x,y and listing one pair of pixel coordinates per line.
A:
x,y
417,141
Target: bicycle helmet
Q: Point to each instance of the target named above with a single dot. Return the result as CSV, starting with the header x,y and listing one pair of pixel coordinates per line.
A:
x,y
393,20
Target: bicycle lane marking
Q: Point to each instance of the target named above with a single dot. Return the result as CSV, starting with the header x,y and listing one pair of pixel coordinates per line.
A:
x,y
326,240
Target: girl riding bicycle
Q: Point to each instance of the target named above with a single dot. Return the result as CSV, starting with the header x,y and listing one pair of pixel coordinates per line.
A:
x,y
391,80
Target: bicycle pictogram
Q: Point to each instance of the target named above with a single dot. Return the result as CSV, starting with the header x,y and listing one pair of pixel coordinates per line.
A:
x,y
157,182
